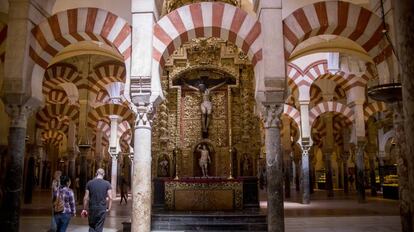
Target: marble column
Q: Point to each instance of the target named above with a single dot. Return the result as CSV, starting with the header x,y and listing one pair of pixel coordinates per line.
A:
x,y
72,164
402,169
404,14
10,211
287,168
114,174
360,180
340,172
83,168
328,172
372,174
274,159
345,156
305,175
327,151
141,179
113,151
72,151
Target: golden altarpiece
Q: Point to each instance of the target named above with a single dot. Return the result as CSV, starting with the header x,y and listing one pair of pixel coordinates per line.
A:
x,y
232,133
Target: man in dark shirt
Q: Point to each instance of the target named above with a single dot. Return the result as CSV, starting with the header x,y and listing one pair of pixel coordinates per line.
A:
x,y
94,201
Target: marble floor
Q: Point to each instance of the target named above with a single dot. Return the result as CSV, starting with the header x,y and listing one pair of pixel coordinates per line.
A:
x,y
341,213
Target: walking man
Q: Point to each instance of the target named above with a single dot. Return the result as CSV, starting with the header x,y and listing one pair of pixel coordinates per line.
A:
x,y
95,206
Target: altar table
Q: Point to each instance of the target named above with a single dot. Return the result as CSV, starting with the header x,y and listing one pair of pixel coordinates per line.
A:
x,y
204,194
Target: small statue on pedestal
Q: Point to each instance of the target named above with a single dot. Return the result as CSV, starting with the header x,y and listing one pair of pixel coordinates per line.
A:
x,y
204,159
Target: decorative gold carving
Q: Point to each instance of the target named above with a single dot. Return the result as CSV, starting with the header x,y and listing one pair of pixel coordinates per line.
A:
x,y
218,59
174,4
201,192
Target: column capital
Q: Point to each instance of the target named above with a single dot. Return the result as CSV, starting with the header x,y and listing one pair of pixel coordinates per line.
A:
x,y
113,155
271,114
114,117
305,149
144,115
18,114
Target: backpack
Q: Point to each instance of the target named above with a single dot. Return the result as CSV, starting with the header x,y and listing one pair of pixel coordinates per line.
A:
x,y
58,204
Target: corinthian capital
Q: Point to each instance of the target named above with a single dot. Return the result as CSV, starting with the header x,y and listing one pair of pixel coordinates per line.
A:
x,y
271,115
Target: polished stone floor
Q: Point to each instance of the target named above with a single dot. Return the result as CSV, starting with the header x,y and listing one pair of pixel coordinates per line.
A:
x,y
341,213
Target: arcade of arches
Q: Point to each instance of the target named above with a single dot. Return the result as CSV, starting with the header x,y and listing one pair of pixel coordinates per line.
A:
x,y
225,98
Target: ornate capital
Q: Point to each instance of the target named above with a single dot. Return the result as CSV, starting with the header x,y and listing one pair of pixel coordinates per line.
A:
x,y
271,115
360,147
18,114
305,149
144,114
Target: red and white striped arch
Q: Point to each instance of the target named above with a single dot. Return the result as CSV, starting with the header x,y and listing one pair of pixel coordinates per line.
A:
x,y
207,19
76,25
338,18
55,124
102,112
314,71
57,96
293,113
295,76
106,73
59,111
53,136
73,26
3,36
330,106
61,73
373,108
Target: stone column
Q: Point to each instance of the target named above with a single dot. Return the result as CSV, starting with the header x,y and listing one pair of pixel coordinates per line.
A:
x,y
84,149
404,13
114,173
360,180
340,171
327,153
72,151
10,211
287,160
402,169
305,177
345,156
372,174
287,166
305,138
274,158
113,151
381,169
141,180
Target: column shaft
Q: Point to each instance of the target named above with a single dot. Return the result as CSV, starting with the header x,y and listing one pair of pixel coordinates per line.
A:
x,y
360,180
83,168
274,160
10,212
114,175
287,163
345,166
372,175
141,179
275,213
305,177
328,173
404,14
